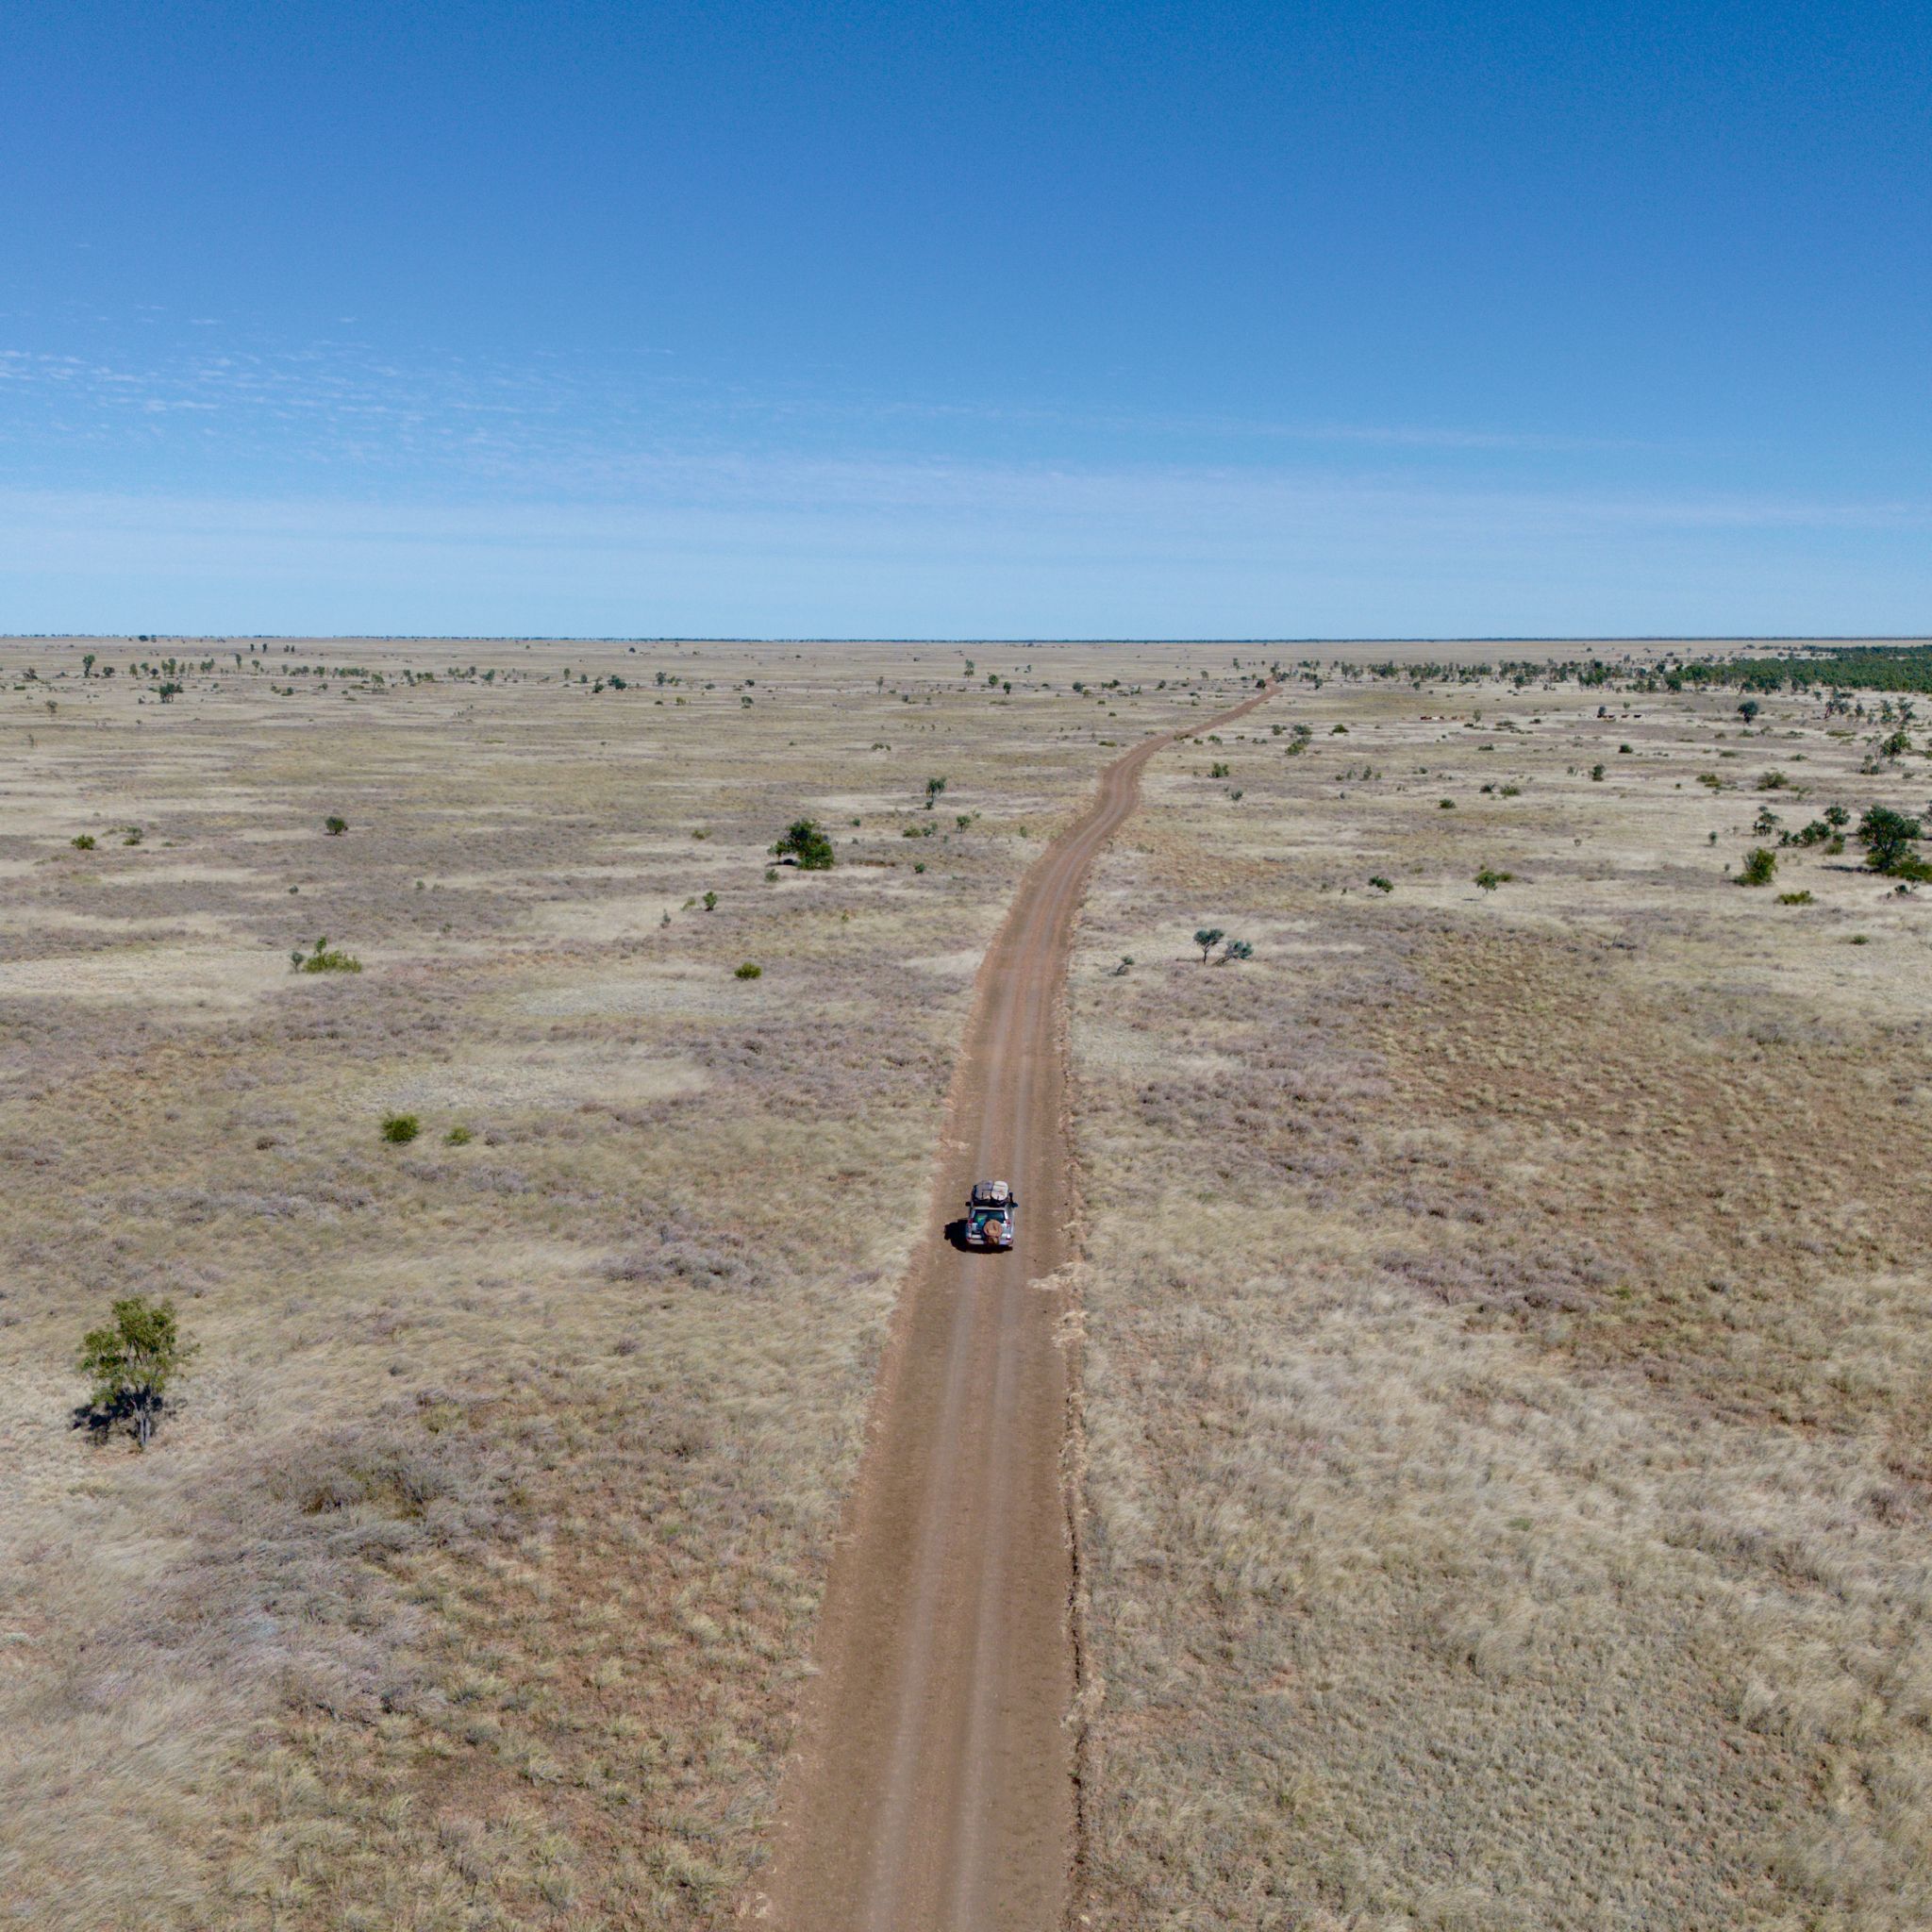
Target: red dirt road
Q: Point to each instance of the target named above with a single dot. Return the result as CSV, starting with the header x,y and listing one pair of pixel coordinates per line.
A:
x,y
934,1788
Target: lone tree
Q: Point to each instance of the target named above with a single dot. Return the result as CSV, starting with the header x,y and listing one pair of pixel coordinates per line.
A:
x,y
1890,837
1748,709
1207,938
807,844
933,788
130,1363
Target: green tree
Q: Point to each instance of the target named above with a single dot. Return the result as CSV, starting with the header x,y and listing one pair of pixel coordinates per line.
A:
x,y
1889,838
806,843
933,788
1761,867
1207,938
1748,709
1236,949
130,1363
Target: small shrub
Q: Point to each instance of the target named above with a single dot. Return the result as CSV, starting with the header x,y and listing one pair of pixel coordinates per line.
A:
x,y
1889,838
1761,867
1771,781
1859,938
1218,771
1489,879
1795,899
711,902
1380,883
1711,780
130,1364
399,1129
323,960
1512,791
1445,805
918,865
458,1137
83,842
806,844
1596,774
1236,950
1624,751
134,836
334,826
750,970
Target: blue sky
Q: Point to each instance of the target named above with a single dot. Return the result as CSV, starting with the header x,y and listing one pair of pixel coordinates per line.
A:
x,y
1208,319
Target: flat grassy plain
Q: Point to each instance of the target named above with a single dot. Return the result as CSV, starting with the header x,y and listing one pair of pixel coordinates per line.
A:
x,y
472,1579
1508,1325
1505,1346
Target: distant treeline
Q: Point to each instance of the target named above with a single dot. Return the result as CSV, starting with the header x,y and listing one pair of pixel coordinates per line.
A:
x,y
1867,667
1838,667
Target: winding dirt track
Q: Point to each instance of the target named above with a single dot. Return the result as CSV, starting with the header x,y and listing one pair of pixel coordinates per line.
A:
x,y
935,1783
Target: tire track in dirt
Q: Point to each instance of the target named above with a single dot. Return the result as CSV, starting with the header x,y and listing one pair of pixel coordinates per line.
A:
x,y
933,1789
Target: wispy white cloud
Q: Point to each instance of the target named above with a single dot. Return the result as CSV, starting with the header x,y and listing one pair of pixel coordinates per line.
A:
x,y
571,423
350,488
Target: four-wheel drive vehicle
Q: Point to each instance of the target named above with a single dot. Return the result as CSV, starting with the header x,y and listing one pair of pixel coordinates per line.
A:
x,y
990,1215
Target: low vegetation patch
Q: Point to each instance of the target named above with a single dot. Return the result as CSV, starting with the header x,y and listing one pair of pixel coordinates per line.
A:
x,y
323,957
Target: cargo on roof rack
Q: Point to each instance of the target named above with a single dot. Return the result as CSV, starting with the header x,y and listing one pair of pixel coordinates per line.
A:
x,y
990,1215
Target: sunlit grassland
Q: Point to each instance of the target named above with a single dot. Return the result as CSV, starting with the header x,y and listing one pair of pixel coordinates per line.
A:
x,y
1508,1325
472,1580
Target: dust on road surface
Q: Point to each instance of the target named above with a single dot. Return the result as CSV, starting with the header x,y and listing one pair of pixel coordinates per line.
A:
x,y
935,1783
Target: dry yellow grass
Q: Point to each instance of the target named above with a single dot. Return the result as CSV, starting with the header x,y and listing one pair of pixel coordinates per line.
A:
x,y
1506,1314
1507,1331
472,1580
